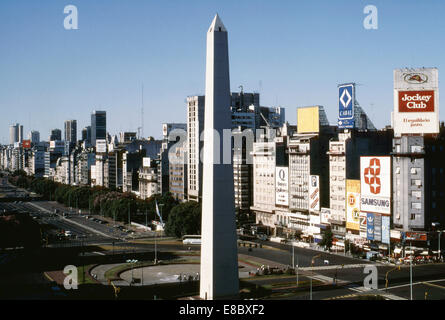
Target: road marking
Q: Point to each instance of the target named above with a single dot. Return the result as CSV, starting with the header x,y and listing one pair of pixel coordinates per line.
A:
x,y
348,266
434,285
415,283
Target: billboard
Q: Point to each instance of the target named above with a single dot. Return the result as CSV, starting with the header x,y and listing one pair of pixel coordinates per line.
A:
x,y
308,120
101,146
370,226
375,184
416,101
325,215
26,144
377,227
282,186
386,229
363,224
346,101
353,204
314,193
416,236
146,162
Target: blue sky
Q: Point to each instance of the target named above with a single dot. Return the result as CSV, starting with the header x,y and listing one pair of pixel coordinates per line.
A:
x,y
293,52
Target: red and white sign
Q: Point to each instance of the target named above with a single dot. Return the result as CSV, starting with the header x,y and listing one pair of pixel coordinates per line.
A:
x,y
314,193
375,184
26,144
416,101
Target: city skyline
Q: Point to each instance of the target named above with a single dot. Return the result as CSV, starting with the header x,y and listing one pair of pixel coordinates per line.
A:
x,y
105,62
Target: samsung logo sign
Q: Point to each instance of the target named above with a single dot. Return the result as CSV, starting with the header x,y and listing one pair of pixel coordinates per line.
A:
x,y
375,202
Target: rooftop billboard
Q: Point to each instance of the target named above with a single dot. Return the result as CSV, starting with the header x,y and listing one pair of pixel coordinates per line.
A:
x,y
346,101
416,101
308,120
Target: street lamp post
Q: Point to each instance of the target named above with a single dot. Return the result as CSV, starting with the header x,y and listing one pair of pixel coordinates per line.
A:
x,y
312,271
411,271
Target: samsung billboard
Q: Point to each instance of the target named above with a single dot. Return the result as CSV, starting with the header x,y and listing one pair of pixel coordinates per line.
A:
x,y
375,184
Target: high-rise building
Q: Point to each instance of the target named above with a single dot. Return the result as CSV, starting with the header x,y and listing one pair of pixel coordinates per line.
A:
x,y
34,136
86,134
344,164
418,181
179,132
71,131
98,126
15,133
178,173
56,135
195,126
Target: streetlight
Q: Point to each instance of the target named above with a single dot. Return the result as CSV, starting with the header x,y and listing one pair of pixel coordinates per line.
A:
x,y
132,261
411,271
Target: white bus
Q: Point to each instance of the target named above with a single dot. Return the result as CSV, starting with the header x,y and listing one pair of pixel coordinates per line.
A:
x,y
191,239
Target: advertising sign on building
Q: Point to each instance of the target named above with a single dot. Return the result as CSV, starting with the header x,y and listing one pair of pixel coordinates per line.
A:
x,y
325,215
416,236
363,224
416,101
314,193
386,232
282,186
26,144
346,101
375,184
370,226
146,162
377,227
308,120
101,146
353,204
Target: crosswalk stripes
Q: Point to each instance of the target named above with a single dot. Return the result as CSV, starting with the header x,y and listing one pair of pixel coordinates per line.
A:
x,y
348,266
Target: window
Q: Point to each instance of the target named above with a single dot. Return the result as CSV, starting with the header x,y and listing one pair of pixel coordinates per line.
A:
x,y
416,205
416,149
398,170
416,194
413,216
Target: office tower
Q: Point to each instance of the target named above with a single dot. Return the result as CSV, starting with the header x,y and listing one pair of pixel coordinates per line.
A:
x,y
219,255
71,131
56,135
34,136
195,125
14,133
98,126
20,134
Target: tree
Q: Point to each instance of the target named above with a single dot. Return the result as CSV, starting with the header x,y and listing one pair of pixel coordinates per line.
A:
x,y
184,218
327,239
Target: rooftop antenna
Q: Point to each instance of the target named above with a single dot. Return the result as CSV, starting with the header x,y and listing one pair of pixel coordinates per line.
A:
x,y
142,112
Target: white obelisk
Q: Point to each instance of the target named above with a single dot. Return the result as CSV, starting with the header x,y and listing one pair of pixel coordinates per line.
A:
x,y
219,253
